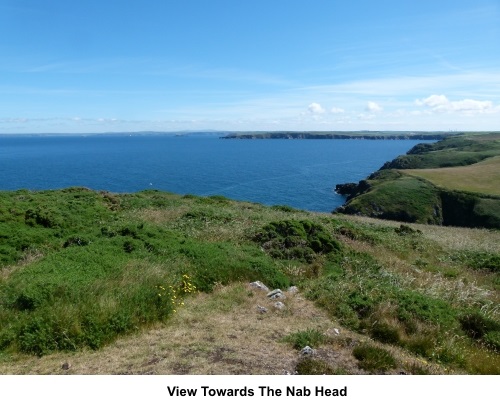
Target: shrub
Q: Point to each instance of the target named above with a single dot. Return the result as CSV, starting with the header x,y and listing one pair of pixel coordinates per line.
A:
x,y
42,217
291,239
476,325
406,230
372,358
385,333
284,208
423,345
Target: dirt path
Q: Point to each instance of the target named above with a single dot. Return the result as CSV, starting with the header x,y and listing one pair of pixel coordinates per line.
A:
x,y
222,333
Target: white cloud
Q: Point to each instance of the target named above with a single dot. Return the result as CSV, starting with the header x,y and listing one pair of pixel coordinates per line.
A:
x,y
336,110
472,105
441,103
315,108
433,101
373,107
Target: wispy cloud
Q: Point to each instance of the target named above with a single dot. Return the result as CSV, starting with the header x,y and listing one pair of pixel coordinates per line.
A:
x,y
441,103
462,83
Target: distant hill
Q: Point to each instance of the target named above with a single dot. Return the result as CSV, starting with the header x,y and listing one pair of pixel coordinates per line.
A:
x,y
455,181
372,135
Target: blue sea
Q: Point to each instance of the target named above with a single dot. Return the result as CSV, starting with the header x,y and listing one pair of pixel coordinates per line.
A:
x,y
298,173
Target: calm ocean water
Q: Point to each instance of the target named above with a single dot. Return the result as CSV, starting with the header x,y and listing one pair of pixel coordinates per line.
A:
x,y
298,173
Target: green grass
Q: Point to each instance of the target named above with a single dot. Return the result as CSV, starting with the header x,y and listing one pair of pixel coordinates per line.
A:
x,y
310,337
373,358
398,197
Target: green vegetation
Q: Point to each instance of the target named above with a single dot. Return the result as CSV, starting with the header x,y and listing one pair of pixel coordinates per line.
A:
x,y
310,366
93,271
392,195
81,268
308,337
452,182
450,152
289,239
373,358
482,177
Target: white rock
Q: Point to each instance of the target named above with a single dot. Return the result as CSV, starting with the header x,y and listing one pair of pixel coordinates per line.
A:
x,y
279,305
259,285
276,294
307,351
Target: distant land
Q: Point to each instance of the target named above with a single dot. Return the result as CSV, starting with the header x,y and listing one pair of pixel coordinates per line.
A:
x,y
455,182
372,135
122,133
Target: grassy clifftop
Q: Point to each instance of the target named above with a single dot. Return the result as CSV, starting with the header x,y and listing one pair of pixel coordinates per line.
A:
x,y
452,182
85,272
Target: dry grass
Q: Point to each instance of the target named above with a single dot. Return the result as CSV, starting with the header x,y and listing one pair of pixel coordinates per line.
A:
x,y
447,237
222,333
29,256
161,216
466,290
482,177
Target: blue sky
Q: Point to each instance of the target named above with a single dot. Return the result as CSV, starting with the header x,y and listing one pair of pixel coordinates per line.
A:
x,y
105,65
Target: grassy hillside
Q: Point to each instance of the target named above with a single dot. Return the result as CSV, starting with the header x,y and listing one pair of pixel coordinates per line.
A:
x,y
482,177
85,271
454,182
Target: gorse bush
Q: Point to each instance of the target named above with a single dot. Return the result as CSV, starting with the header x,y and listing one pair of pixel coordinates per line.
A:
x,y
290,239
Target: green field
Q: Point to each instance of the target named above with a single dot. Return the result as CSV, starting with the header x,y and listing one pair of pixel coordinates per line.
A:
x,y
86,272
482,177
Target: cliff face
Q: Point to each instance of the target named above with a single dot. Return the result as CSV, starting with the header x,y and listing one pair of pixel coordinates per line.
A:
x,y
463,209
388,194
392,193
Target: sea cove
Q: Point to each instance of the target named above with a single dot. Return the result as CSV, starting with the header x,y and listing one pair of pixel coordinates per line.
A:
x,y
298,173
